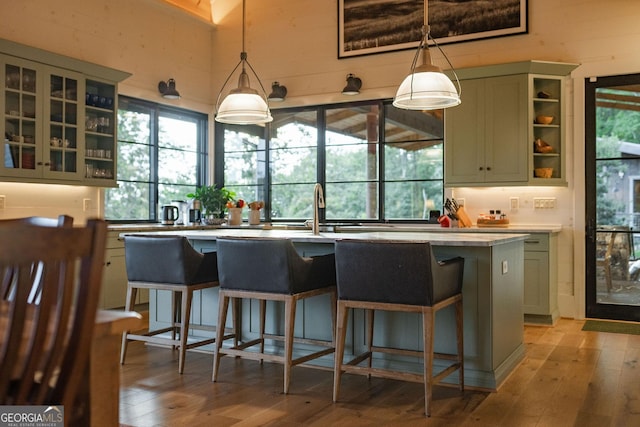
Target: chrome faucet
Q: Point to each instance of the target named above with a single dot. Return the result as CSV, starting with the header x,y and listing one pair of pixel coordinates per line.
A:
x,y
318,202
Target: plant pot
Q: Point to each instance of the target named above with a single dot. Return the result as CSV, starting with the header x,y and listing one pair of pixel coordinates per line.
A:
x,y
254,217
235,216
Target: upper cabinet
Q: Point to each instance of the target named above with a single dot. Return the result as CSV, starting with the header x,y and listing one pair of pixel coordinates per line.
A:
x,y
501,135
59,118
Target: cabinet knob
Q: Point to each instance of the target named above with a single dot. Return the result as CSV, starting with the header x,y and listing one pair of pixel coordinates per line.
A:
x,y
481,168
488,168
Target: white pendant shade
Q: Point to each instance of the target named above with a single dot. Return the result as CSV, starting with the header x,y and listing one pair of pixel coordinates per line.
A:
x,y
426,90
243,109
243,105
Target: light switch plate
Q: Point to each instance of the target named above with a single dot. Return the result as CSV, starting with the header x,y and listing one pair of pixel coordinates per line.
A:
x,y
514,202
2,201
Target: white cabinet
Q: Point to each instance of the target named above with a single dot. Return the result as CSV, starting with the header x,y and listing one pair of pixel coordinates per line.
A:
x,y
59,118
490,138
540,279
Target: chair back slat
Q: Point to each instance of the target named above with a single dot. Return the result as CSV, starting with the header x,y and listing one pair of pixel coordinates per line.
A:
x,y
46,335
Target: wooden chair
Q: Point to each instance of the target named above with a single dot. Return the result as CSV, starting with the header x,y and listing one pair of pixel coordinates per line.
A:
x,y
272,270
61,221
7,283
397,276
169,263
45,344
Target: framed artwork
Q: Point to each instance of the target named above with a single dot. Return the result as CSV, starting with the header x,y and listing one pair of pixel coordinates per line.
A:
x,y
367,27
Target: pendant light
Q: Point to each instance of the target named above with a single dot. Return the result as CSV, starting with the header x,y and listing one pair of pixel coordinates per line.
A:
x,y
243,105
427,87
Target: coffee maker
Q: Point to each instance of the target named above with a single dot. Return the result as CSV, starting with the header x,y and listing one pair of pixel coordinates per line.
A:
x,y
183,211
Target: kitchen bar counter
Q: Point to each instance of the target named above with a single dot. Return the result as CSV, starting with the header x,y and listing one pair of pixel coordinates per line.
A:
x,y
303,236
492,291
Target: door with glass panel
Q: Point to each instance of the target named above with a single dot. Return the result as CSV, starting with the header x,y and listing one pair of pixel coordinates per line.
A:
x,y
612,174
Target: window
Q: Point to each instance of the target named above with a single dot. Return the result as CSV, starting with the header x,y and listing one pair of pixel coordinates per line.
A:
x,y
374,161
161,157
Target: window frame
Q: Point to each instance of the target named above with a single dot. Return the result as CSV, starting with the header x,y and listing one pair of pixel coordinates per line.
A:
x,y
156,111
321,125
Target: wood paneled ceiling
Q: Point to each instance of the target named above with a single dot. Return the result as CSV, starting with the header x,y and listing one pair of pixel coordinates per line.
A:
x,y
198,8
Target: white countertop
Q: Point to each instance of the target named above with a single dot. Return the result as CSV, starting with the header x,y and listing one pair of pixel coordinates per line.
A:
x,y
305,236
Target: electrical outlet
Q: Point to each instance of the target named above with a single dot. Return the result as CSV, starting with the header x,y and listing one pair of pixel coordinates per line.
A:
x,y
86,204
460,202
544,202
514,202
505,267
2,201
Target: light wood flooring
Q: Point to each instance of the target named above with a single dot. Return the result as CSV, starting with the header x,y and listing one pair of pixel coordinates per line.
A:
x,y
568,378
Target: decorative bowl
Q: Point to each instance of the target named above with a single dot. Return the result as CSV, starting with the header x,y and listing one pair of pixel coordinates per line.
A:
x,y
543,172
544,120
541,146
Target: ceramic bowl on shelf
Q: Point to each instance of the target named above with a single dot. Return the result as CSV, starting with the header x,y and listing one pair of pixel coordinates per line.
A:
x,y
541,146
544,120
543,172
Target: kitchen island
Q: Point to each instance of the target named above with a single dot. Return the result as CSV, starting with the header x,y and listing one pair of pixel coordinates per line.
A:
x,y
492,291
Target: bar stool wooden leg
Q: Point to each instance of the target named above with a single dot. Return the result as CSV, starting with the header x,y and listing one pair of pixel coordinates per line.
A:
x,y
175,317
129,305
428,318
222,317
370,318
289,322
184,332
342,317
460,338
263,311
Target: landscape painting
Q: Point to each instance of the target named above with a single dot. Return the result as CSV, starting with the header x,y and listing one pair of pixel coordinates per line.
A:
x,y
376,26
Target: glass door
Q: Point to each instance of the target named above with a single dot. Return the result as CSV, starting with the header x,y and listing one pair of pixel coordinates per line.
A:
x,y
612,173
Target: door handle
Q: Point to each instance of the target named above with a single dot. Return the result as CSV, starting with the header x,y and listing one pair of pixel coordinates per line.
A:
x,y
591,230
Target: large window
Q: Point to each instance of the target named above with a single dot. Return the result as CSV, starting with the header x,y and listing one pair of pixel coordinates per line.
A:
x,y
374,161
161,157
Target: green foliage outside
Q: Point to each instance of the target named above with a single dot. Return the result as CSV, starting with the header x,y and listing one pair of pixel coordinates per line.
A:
x,y
613,126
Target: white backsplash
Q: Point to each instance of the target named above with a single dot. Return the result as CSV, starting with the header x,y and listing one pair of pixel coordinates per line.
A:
x,y
481,200
50,200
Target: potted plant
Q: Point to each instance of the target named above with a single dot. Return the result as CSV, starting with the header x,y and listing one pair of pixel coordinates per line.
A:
x,y
213,201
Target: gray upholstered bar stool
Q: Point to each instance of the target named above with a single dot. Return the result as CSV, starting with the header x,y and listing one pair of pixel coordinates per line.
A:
x,y
168,263
397,276
272,270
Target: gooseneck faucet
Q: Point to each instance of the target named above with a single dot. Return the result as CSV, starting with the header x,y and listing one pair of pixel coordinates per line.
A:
x,y
318,202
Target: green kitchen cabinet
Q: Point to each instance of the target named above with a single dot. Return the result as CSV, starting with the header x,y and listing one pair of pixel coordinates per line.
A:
x,y
59,118
490,139
485,136
114,276
540,304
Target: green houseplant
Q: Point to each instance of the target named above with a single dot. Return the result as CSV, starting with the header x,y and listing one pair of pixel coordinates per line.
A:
x,y
213,200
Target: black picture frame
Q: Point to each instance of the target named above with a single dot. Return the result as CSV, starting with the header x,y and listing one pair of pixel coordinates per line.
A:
x,y
366,27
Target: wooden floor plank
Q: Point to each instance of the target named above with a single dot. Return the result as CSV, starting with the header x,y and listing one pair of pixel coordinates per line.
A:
x,y
569,377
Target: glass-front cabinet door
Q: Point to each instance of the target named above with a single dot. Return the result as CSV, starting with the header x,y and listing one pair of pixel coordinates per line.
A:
x,y
22,110
41,115
99,133
62,138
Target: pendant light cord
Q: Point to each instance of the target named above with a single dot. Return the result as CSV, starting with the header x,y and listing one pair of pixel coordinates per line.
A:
x,y
424,44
